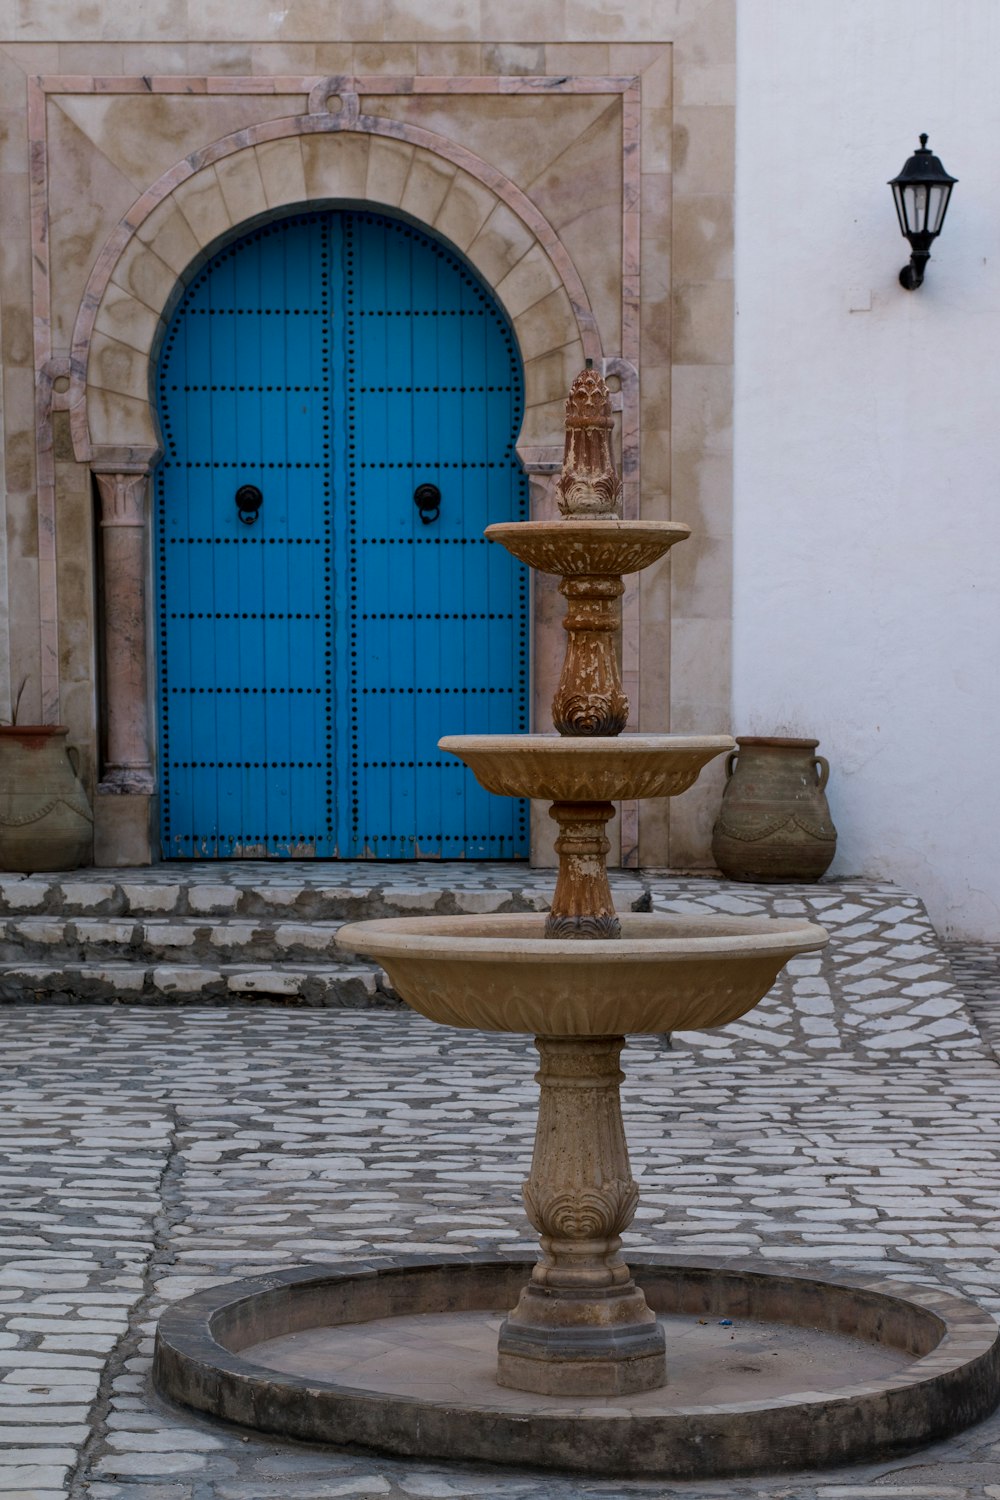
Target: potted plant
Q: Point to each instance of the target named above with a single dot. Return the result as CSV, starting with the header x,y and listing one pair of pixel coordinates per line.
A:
x,y
45,818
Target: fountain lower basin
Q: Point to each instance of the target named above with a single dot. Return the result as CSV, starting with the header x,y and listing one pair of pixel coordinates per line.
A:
x,y
913,1365
500,973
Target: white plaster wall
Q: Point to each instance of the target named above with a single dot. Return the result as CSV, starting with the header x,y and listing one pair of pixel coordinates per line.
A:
x,y
867,468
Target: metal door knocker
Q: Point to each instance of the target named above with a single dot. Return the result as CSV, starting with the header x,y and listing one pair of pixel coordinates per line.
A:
x,y
248,502
427,499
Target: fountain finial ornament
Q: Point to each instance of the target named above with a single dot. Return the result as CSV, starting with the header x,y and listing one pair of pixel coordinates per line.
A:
x,y
589,484
590,699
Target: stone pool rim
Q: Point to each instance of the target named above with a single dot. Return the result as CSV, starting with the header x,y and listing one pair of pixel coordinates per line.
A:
x,y
950,1386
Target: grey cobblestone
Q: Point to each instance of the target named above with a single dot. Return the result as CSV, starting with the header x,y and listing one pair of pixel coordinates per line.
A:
x,y
976,968
147,1153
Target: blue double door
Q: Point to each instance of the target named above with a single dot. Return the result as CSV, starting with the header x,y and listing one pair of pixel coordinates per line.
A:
x,y
339,400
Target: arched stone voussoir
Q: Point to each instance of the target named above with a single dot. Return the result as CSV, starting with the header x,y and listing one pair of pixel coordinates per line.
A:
x,y
242,186
318,162
119,422
335,166
281,171
124,317
389,162
116,367
427,186
203,204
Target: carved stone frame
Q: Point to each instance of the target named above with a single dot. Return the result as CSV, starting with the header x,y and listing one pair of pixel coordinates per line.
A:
x,y
113,423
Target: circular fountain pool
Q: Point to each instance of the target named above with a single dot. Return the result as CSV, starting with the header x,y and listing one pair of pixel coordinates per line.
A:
x,y
767,1370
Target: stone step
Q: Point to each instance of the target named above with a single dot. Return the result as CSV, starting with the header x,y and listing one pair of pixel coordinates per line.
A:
x,y
136,983
329,893
183,940
213,934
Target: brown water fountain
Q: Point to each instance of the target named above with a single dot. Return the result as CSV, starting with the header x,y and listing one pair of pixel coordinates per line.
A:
x,y
577,979
583,1375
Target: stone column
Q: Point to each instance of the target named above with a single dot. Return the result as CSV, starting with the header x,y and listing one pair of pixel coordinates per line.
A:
x,y
122,833
582,906
590,700
581,1327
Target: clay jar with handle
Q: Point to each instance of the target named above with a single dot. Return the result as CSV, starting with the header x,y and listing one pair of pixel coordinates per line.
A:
x,y
774,823
45,818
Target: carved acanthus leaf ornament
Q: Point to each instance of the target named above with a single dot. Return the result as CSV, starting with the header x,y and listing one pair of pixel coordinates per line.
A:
x,y
589,484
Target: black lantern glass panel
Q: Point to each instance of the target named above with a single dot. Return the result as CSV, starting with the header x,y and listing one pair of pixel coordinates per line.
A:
x,y
937,206
921,194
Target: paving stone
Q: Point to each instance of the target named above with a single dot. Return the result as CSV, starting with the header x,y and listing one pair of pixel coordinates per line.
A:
x,y
17,893
45,1457
158,1441
150,1463
149,897
33,1480
213,898
86,893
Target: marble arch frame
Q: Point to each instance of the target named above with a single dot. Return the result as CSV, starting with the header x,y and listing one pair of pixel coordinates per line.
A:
x,y
321,158
274,168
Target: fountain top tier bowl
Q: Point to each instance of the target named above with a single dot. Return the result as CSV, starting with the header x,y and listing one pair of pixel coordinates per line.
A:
x,y
588,548
501,973
608,769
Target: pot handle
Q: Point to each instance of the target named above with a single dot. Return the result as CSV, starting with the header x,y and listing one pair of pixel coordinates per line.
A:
x,y
822,771
74,759
731,759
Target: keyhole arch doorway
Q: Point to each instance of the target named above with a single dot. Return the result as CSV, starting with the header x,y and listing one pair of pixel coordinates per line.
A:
x,y
317,635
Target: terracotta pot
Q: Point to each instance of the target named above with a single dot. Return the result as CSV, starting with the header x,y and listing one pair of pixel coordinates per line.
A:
x,y
45,818
774,823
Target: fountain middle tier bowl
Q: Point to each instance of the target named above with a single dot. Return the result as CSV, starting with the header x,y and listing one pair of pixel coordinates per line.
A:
x,y
595,548
500,973
570,769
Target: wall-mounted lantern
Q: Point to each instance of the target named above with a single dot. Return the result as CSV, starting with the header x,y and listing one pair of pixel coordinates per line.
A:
x,y
921,193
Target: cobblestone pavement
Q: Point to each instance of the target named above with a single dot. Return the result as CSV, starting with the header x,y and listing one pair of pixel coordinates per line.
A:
x,y
209,933
150,1152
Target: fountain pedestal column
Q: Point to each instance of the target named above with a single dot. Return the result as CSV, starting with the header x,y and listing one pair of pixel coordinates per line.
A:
x,y
590,699
582,906
582,1326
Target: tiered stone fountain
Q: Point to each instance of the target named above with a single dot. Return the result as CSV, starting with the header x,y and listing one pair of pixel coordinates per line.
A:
x,y
579,979
580,1337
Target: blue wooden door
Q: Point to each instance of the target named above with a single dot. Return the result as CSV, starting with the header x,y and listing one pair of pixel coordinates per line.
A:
x,y
311,652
